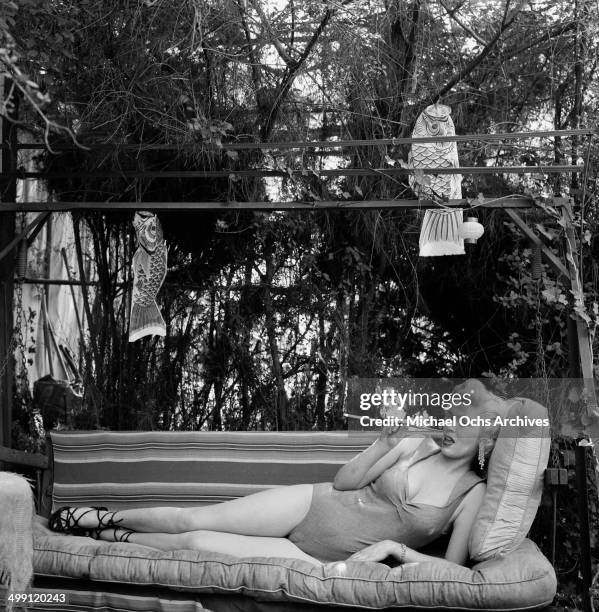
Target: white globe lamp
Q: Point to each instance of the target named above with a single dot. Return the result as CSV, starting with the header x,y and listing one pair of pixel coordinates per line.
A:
x,y
471,230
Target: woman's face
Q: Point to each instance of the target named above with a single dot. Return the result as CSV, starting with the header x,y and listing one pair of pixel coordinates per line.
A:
x,y
461,441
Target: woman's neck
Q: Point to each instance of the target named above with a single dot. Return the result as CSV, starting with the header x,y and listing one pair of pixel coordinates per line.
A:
x,y
453,466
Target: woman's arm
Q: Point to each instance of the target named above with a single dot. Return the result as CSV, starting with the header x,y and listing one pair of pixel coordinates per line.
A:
x,y
372,462
457,551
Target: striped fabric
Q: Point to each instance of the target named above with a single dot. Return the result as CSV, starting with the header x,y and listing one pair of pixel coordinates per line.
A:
x,y
82,596
140,469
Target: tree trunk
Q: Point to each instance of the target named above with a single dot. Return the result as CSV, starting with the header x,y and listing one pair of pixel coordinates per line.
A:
x,y
281,400
245,365
345,312
213,332
403,59
321,375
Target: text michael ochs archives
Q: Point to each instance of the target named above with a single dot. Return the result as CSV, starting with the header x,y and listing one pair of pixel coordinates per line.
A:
x,y
452,421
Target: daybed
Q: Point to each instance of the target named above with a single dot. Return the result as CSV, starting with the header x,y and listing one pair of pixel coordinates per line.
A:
x,y
122,470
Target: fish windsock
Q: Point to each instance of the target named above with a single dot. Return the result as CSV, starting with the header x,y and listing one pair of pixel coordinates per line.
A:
x,y
149,270
441,228
435,120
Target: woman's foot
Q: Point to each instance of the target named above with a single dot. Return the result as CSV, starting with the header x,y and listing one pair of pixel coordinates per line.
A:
x,y
79,521
114,534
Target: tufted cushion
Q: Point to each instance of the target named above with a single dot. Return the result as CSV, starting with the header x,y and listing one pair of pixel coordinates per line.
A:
x,y
523,579
514,484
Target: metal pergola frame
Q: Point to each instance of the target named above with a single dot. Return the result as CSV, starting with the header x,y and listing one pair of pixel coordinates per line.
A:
x,y
581,360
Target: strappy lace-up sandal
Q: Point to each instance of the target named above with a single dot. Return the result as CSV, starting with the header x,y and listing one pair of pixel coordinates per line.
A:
x,y
67,520
117,537
119,534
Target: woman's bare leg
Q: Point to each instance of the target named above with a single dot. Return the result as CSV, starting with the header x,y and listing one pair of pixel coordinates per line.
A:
x,y
226,543
272,513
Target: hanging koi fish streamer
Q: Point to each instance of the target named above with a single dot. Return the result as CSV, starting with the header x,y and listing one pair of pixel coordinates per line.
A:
x,y
441,229
149,270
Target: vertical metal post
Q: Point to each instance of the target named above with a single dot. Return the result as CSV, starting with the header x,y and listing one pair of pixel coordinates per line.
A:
x,y
585,527
581,366
8,193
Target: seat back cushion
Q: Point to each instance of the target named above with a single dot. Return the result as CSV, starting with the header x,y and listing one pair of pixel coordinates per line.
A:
x,y
514,481
160,468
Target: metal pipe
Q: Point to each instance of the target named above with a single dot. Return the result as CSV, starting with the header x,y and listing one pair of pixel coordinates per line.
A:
x,y
319,144
228,174
585,526
63,281
504,202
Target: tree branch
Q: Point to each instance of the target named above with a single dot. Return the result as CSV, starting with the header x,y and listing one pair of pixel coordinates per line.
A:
x,y
292,71
554,31
506,22
254,64
411,47
465,27
273,38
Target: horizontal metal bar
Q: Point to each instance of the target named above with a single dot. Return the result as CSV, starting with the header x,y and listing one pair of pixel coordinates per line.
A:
x,y
318,144
499,202
55,281
10,455
194,286
232,174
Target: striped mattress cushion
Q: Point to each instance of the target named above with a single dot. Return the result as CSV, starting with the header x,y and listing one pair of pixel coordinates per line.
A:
x,y
140,469
54,594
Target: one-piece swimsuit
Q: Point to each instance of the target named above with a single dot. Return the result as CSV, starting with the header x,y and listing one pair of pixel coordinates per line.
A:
x,y
340,523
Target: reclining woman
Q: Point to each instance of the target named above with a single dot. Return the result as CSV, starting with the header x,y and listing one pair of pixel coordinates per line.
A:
x,y
396,496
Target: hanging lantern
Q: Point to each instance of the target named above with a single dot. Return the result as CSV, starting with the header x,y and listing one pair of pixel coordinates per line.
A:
x,y
441,233
472,230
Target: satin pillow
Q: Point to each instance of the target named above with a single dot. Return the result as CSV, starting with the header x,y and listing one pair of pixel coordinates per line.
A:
x,y
514,483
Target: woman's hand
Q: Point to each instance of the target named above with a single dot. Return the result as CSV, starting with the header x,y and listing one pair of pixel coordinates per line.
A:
x,y
376,552
391,435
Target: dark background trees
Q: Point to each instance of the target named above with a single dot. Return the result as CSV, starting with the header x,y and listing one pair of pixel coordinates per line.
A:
x,y
270,314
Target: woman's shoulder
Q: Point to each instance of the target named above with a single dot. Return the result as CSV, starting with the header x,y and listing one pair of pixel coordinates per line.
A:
x,y
478,487
474,493
472,499
469,489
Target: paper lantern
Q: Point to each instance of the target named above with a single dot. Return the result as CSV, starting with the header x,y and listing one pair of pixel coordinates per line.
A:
x,y
441,233
472,230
